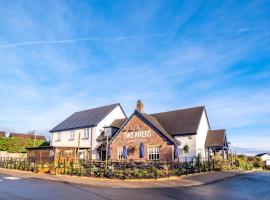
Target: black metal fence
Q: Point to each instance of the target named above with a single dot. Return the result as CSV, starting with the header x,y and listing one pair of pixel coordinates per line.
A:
x,y
114,169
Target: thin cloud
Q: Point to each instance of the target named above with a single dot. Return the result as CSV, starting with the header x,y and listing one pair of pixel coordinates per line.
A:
x,y
102,39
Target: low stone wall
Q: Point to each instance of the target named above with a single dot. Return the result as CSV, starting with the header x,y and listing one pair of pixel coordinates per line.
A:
x,y
5,154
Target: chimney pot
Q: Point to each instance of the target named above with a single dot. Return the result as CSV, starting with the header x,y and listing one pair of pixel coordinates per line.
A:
x,y
140,106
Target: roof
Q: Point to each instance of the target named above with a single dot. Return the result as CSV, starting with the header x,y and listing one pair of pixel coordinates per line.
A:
x,y
30,136
215,138
262,154
154,122
179,122
118,123
85,118
151,120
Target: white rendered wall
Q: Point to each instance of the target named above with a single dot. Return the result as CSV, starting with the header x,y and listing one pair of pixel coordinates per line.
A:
x,y
190,140
265,157
201,135
117,113
65,141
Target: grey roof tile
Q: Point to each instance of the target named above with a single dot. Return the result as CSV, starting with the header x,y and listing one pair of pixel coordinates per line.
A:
x,y
85,118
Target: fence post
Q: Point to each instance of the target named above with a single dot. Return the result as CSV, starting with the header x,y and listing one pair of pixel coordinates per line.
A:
x,y
124,169
168,168
90,170
192,167
80,167
186,165
64,166
155,168
204,166
71,163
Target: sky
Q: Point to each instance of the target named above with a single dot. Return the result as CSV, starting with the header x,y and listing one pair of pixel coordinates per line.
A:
x,y
59,57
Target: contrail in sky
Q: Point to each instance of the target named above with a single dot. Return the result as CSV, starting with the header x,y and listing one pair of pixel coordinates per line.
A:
x,y
115,39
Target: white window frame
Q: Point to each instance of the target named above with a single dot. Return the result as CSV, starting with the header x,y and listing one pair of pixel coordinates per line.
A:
x,y
86,133
153,153
58,136
120,153
72,135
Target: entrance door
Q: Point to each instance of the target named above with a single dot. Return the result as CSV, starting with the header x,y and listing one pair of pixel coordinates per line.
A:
x,y
103,155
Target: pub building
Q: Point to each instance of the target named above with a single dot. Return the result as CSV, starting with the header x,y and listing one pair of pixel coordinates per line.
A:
x,y
160,133
84,135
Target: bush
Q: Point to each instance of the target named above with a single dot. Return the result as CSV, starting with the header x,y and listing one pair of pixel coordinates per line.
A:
x,y
18,145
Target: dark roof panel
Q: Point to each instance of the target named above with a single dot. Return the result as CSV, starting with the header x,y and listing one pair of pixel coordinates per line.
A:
x,y
85,118
155,122
174,123
118,122
180,122
215,138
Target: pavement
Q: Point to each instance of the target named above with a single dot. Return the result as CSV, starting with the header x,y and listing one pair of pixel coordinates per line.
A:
x,y
253,186
183,181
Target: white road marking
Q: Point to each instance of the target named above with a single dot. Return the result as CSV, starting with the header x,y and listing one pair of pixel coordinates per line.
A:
x,y
11,178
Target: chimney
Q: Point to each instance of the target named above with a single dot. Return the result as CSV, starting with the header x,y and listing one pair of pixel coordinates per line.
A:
x,y
140,106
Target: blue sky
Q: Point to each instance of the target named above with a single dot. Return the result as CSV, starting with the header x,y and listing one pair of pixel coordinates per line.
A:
x,y
58,57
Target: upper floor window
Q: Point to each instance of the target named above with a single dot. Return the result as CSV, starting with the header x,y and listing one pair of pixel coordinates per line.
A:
x,y
86,133
120,153
58,136
72,135
153,153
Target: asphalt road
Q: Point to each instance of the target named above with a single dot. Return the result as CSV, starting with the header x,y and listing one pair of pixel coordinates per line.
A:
x,y
248,186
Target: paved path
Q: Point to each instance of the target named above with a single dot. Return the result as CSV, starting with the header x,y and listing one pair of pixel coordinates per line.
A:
x,y
191,180
248,186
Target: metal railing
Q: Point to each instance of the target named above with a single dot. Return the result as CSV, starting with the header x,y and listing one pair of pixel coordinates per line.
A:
x,y
116,169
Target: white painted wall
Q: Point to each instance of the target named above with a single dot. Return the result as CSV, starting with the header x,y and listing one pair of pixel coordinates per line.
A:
x,y
201,135
190,140
65,141
117,113
265,157
196,142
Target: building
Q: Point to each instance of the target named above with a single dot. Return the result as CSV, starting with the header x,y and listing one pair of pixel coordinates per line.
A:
x,y
162,133
216,143
77,136
265,157
27,136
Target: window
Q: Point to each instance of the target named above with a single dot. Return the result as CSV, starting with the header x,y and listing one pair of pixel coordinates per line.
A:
x,y
72,135
86,133
58,136
153,153
120,153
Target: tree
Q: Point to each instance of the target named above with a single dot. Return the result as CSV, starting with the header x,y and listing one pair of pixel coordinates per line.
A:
x,y
186,149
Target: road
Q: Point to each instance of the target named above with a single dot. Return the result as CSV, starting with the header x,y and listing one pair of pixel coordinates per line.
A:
x,y
249,186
